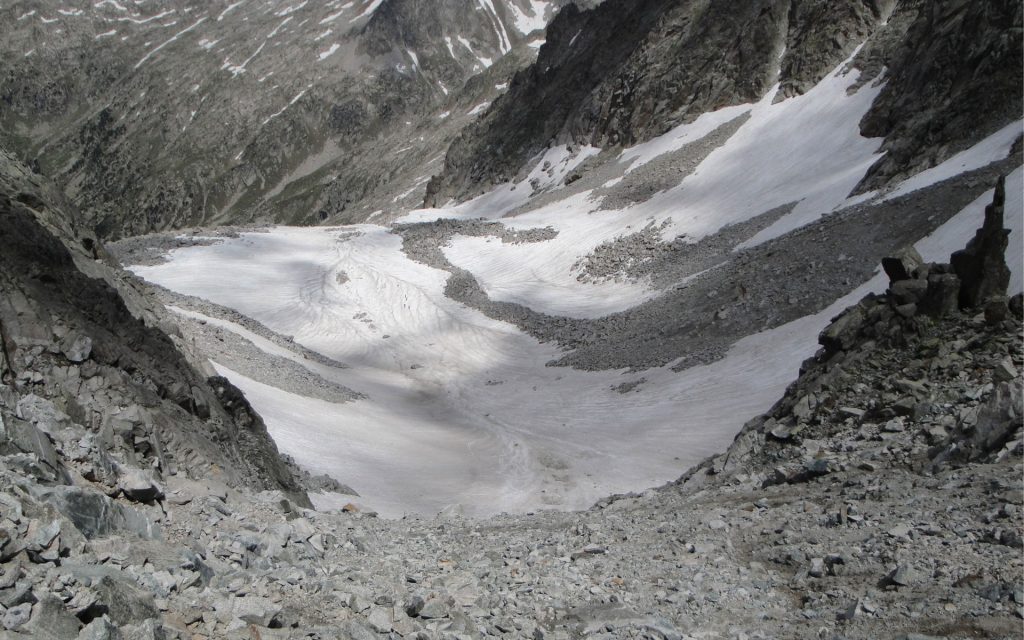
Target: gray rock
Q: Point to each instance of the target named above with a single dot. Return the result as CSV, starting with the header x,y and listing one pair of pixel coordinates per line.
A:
x,y
96,515
16,617
50,619
255,610
908,291
981,266
357,631
380,619
434,608
123,602
942,297
413,606
29,439
43,413
100,629
76,347
842,334
1005,371
902,265
903,575
139,486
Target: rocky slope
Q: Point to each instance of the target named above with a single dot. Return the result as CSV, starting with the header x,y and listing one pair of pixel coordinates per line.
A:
x,y
84,347
625,72
161,115
881,497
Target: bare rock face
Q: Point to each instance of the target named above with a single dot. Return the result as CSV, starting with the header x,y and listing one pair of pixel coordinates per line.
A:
x,y
954,78
627,71
981,266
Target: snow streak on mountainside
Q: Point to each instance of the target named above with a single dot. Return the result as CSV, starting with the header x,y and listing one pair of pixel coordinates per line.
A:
x,y
157,115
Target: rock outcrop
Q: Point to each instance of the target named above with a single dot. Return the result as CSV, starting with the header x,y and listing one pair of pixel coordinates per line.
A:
x,y
953,79
981,265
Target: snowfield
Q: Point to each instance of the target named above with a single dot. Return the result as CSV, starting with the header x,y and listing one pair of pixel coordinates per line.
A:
x,y
461,410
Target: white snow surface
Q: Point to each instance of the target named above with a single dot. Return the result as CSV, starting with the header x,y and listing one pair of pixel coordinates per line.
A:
x,y
440,434
461,409
533,19
683,134
368,10
806,150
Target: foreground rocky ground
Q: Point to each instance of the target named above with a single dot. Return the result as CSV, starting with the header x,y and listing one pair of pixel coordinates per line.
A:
x,y
880,498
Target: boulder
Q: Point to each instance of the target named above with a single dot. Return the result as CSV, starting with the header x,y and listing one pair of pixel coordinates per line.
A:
x,y
76,347
942,297
28,439
842,334
96,515
902,264
124,603
908,291
51,620
42,412
100,629
139,486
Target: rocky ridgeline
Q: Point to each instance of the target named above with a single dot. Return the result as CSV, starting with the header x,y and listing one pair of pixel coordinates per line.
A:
x,y
610,76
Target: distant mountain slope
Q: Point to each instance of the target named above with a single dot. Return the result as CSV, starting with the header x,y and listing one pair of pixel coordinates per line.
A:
x,y
167,114
627,71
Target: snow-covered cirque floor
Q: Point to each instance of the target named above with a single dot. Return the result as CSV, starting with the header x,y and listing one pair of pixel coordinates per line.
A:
x,y
461,409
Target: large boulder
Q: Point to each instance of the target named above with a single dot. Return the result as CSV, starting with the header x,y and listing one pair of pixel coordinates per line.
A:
x,y
902,265
96,515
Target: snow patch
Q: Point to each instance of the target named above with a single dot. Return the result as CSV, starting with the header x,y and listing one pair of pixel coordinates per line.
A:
x,y
323,55
370,8
680,136
169,41
504,44
237,69
292,9
534,19
290,103
480,108
228,9
278,27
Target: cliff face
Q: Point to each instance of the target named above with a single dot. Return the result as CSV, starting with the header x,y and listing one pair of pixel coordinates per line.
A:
x,y
627,71
81,336
954,79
